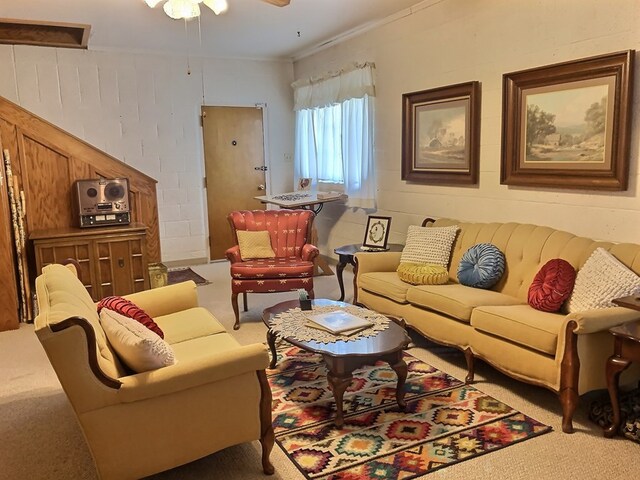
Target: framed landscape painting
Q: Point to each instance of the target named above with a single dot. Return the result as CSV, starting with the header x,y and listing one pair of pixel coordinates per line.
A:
x,y
568,125
441,135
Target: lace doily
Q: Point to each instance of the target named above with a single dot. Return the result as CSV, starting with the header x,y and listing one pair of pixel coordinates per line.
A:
x,y
292,324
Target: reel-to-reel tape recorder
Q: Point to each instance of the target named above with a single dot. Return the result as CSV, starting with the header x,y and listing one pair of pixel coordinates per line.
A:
x,y
103,202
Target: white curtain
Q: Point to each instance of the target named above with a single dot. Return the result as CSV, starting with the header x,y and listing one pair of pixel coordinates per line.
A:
x,y
334,132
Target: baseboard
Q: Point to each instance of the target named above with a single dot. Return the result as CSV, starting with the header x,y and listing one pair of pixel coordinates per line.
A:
x,y
190,262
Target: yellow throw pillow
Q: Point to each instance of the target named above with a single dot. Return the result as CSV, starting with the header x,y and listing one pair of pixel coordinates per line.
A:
x,y
423,274
254,244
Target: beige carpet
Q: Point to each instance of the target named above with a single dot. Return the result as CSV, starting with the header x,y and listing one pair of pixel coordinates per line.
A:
x,y
39,437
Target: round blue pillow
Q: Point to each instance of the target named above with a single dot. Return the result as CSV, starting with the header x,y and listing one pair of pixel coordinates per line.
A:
x,y
481,266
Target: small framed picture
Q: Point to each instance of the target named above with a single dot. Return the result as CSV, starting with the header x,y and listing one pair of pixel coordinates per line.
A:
x,y
376,234
304,184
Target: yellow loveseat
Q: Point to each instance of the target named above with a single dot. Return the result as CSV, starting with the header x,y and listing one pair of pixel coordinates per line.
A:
x,y
215,396
563,352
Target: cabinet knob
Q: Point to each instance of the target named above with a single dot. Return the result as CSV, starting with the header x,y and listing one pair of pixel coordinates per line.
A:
x,y
121,262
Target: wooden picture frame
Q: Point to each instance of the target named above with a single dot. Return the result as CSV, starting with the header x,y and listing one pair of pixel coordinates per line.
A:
x,y
567,125
376,235
441,135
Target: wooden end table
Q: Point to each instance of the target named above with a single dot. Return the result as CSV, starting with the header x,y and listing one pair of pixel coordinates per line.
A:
x,y
626,350
345,257
342,358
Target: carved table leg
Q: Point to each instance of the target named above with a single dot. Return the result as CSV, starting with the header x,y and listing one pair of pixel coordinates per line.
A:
x,y
615,366
338,385
401,369
339,269
271,341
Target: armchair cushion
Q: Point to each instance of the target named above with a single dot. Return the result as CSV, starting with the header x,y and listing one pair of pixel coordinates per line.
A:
x,y
281,267
255,244
140,348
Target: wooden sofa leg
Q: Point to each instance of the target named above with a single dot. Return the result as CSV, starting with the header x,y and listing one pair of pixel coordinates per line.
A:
x,y
569,374
267,437
244,302
236,310
471,364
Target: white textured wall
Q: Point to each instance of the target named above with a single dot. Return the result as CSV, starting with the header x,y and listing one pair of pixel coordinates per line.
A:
x,y
455,41
144,110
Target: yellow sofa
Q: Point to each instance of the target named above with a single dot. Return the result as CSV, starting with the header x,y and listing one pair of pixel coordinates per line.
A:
x,y
215,396
562,352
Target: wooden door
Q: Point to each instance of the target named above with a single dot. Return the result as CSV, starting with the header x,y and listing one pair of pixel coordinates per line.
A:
x,y
234,168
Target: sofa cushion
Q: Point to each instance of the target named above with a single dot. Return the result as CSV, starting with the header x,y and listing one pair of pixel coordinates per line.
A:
x,y
520,324
423,274
137,346
429,245
129,309
456,300
601,279
188,324
481,266
552,285
196,348
254,244
386,284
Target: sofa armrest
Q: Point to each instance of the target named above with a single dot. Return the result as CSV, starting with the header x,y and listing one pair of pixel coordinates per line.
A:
x,y
184,375
166,300
377,261
601,319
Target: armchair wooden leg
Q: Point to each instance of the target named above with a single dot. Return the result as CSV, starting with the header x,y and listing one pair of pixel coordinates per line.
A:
x,y
236,310
267,437
244,301
311,294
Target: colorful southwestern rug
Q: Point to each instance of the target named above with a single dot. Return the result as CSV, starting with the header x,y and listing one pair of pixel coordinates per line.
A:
x,y
445,421
178,275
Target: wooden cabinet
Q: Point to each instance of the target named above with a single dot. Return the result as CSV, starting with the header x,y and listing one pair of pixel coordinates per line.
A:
x,y
113,260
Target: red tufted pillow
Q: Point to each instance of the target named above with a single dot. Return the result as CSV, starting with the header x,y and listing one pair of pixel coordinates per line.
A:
x,y
552,285
131,310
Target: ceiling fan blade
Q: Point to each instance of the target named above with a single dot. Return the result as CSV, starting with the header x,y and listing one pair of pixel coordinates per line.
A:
x,y
278,3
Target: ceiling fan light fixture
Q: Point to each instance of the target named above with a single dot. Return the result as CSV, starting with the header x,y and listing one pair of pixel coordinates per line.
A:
x,y
178,9
218,6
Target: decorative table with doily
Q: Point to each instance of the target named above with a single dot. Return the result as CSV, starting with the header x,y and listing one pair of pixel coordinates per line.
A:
x,y
383,341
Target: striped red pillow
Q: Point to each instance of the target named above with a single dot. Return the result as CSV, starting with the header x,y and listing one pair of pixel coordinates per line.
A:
x,y
131,310
552,285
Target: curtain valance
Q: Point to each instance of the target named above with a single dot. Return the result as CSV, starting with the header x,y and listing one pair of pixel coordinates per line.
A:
x,y
353,82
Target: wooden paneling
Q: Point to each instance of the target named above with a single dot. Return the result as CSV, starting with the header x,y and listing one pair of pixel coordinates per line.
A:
x,y
48,160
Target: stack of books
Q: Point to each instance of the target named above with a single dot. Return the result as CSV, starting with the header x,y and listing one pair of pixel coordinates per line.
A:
x,y
338,322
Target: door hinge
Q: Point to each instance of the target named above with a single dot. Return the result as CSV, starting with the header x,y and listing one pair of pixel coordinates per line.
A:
x,y
262,169
204,182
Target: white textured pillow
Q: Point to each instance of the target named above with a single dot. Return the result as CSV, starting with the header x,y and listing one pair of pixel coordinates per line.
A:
x,y
601,279
430,245
136,345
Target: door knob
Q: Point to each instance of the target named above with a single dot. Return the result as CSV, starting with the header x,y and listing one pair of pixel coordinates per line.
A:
x,y
260,187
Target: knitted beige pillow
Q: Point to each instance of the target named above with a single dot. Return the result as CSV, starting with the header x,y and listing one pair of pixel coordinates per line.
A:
x,y
254,244
429,245
601,279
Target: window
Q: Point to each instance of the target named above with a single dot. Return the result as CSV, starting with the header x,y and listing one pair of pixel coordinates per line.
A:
x,y
334,133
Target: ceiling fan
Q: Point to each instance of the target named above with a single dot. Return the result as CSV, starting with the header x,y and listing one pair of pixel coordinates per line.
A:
x,y
188,9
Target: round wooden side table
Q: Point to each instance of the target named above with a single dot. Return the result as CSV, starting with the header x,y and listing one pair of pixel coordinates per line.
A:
x,y
346,254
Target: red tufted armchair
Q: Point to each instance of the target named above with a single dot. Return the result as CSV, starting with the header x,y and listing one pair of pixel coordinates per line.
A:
x,y
292,267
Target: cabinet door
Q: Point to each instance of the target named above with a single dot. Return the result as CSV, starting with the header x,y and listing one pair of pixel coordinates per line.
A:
x,y
121,266
58,251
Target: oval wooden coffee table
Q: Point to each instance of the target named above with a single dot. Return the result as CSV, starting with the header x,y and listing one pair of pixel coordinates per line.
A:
x,y
342,358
